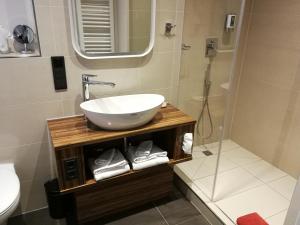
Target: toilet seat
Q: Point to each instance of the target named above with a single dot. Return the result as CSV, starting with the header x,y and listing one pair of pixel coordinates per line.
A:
x,y
9,190
11,208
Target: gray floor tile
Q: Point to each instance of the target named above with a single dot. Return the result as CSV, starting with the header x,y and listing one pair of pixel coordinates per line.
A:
x,y
197,220
148,217
177,211
40,217
145,215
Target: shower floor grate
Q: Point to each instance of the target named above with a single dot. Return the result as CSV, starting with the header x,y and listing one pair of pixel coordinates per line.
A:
x,y
207,153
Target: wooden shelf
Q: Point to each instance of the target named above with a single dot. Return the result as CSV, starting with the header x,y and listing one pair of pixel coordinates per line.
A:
x,y
93,182
73,131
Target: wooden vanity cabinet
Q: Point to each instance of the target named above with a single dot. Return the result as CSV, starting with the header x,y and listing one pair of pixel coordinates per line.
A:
x,y
126,192
73,143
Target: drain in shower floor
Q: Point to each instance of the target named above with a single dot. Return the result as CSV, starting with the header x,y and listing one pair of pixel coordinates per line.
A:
x,y
207,153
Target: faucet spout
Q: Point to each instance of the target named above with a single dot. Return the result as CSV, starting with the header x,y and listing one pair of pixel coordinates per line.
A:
x,y
86,82
93,82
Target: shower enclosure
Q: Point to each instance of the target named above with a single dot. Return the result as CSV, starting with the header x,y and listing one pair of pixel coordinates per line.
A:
x,y
204,22
227,176
211,31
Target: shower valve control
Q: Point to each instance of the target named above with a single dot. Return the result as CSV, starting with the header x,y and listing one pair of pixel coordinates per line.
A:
x,y
211,47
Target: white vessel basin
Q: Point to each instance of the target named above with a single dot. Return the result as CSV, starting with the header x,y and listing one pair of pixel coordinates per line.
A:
x,y
122,112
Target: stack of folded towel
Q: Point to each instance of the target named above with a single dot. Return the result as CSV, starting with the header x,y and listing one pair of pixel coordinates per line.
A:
x,y
146,155
110,163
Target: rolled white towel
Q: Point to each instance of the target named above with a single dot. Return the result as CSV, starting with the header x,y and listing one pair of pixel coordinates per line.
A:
x,y
187,143
150,163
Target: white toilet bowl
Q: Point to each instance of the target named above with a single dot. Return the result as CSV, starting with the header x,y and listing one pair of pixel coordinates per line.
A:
x,y
9,191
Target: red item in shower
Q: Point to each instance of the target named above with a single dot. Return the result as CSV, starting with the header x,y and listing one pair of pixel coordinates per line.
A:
x,y
251,219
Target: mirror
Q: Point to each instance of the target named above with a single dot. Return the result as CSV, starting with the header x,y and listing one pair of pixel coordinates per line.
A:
x,y
112,28
24,35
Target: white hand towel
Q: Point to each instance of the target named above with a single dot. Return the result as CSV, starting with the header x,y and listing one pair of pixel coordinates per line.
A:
x,y
108,174
132,156
108,159
150,163
105,158
144,149
155,152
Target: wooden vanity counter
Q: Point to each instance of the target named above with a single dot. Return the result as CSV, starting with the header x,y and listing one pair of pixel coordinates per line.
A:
x,y
73,143
73,131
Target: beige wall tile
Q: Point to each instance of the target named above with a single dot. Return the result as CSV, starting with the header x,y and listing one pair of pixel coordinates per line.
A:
x,y
180,5
166,5
61,31
156,74
45,29
288,158
27,83
179,31
258,120
261,60
58,3
290,7
50,2
30,161
8,155
266,111
33,195
162,42
41,2
265,26
125,79
26,124
138,4
71,106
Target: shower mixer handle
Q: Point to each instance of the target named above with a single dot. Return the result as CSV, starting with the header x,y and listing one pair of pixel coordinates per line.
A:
x,y
211,47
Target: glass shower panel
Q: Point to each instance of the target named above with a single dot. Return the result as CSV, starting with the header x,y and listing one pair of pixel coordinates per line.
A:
x,y
262,151
210,29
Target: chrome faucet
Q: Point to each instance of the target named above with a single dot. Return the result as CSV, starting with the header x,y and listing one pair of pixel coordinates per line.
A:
x,y
86,82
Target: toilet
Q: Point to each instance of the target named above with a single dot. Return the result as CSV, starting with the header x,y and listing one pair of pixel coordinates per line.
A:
x,y
9,192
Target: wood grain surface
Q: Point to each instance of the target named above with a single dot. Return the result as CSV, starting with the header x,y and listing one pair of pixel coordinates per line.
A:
x,y
73,131
124,193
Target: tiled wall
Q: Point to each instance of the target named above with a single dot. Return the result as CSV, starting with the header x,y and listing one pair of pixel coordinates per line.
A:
x,y
266,119
27,96
205,19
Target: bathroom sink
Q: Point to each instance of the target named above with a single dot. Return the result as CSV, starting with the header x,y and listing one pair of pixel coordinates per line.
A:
x,y
122,112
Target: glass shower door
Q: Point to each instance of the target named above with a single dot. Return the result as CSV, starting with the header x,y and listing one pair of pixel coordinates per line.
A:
x,y
210,29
